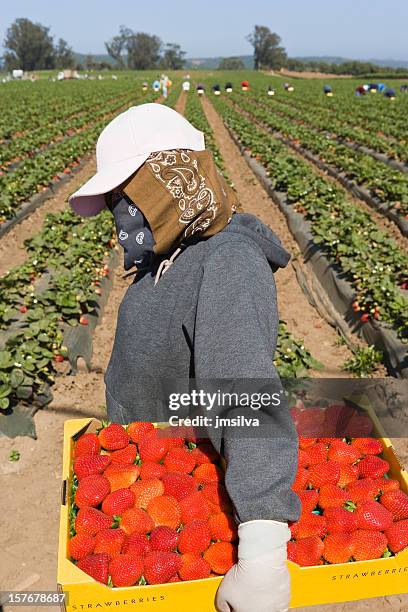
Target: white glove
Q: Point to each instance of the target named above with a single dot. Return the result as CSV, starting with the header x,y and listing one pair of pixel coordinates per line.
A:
x,y
260,581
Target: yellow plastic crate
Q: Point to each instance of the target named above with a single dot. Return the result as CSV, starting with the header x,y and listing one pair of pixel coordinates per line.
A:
x,y
310,585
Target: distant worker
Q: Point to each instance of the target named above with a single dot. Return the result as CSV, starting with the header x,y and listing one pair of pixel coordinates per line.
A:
x,y
404,88
228,87
381,87
360,91
366,87
390,93
271,91
216,90
156,85
145,86
373,87
288,87
244,85
200,89
327,90
186,85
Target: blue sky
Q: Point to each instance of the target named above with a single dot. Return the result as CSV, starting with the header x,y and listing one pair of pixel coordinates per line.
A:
x,y
350,28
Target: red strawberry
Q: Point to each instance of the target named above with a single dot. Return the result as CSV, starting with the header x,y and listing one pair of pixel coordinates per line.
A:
x,y
303,458
316,453
194,507
179,460
205,453
372,466
153,448
165,511
91,520
178,485
194,567
89,465
386,484
305,443
145,490
397,503
121,476
308,499
309,525
96,566
309,551
113,437
368,446
175,578
397,536
150,470
336,418
160,566
332,496
136,520
125,570
301,480
217,497
173,436
340,520
92,490
310,422
362,490
372,515
137,430
338,547
324,473
81,545
109,541
291,551
164,538
87,444
358,425
208,472
195,537
348,474
124,456
368,544
221,556
222,527
343,453
117,502
137,544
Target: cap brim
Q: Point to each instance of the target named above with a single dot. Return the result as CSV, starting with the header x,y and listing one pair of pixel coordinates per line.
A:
x,y
89,200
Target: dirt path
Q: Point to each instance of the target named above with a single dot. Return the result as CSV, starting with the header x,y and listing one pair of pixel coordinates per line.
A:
x,y
181,103
302,319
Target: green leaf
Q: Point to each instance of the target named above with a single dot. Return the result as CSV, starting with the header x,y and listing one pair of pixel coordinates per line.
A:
x,y
16,378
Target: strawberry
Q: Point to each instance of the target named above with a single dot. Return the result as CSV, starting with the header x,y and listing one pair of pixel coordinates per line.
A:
x,y
208,472
386,484
125,570
372,466
340,520
397,536
146,490
173,436
343,453
87,444
81,545
358,425
96,566
348,474
113,437
92,490
178,485
316,453
303,458
89,465
175,578
336,418
164,538
397,503
368,446
137,430
121,476
152,447
221,556
91,520
109,541
165,511
193,507
205,453
136,520
217,497
309,551
372,515
301,480
291,551
179,460
338,547
310,422
361,490
117,502
308,499
309,525
194,567
305,443
195,537
150,470
136,544
222,527
368,544
124,456
324,473
331,496
160,566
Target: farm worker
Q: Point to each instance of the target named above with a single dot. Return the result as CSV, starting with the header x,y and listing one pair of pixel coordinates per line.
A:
x,y
404,88
186,85
216,90
360,91
271,91
156,85
244,85
381,87
145,85
373,87
327,90
200,89
228,87
390,93
202,306
164,88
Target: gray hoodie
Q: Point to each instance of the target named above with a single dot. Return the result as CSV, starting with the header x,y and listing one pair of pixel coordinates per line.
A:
x,y
212,315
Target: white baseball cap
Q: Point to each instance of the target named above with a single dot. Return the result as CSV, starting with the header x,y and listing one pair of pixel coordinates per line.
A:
x,y
125,144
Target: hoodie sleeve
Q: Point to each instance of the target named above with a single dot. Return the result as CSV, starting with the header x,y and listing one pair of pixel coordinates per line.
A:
x,y
235,338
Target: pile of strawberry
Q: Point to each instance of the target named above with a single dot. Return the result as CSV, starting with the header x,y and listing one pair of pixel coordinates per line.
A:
x,y
149,507
351,510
